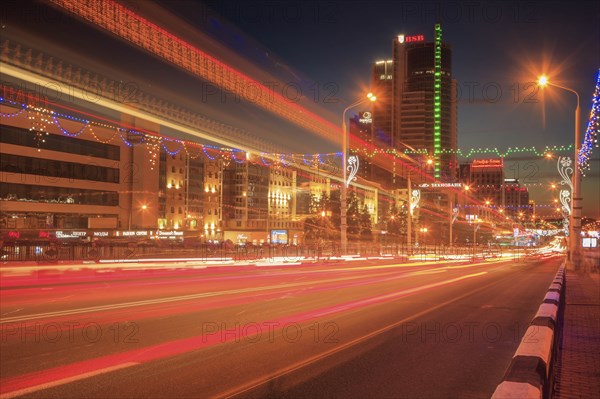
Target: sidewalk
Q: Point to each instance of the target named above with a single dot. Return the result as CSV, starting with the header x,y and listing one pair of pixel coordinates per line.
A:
x,y
577,371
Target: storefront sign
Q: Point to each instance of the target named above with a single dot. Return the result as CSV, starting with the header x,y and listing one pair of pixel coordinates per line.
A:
x,y
135,233
70,234
100,233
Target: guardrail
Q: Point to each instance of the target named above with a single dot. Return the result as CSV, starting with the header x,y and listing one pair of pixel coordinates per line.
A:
x,y
56,251
529,374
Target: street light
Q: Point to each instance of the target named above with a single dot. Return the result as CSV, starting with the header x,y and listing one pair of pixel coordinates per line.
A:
x,y
345,183
575,216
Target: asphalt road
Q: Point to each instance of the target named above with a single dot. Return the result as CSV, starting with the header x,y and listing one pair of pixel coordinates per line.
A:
x,y
364,329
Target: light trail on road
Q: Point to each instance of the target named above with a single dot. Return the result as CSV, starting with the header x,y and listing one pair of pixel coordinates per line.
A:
x,y
229,318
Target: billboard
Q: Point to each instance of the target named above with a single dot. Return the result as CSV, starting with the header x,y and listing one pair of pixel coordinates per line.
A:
x,y
279,236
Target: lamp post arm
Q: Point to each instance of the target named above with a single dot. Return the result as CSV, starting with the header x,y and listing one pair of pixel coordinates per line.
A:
x,y
567,89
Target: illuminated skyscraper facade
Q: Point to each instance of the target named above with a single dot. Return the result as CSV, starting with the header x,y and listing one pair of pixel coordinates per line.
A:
x,y
416,105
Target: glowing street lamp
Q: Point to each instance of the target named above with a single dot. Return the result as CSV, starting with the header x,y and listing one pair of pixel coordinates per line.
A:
x,y
352,164
575,215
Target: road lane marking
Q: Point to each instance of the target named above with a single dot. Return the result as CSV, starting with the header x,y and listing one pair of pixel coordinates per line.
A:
x,y
66,380
14,311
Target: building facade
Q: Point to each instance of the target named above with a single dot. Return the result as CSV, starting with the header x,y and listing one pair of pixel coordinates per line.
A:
x,y
416,100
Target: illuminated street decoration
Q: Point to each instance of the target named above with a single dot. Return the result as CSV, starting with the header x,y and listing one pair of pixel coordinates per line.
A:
x,y
306,159
415,197
437,100
44,117
454,214
65,131
39,125
352,168
153,146
469,152
41,118
565,169
591,134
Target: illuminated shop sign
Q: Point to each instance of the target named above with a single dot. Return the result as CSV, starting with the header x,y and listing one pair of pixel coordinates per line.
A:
x,y
101,233
172,234
486,163
365,117
70,234
135,233
441,185
411,39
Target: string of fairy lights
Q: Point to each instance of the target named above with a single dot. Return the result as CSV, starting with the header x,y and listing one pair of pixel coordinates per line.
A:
x,y
469,153
590,139
40,119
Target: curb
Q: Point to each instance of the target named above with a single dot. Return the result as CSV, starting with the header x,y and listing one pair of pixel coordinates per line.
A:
x,y
529,373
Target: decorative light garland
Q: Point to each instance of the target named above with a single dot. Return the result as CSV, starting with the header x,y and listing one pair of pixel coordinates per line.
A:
x,y
468,153
591,134
153,145
41,122
65,131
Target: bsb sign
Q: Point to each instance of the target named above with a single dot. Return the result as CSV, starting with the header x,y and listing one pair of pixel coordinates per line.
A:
x,y
411,39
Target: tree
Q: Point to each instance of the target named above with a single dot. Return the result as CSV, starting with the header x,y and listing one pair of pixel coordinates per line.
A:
x,y
365,224
321,225
396,223
353,218
335,208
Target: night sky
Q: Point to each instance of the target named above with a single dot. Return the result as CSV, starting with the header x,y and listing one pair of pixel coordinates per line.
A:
x,y
499,49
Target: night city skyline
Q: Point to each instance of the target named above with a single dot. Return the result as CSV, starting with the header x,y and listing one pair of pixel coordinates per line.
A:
x,y
495,70
299,199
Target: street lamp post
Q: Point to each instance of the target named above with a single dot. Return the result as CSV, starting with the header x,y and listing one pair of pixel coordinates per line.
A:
x,y
346,183
575,217
476,224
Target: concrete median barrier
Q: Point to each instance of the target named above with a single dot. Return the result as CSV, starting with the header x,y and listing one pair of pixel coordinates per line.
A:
x,y
529,374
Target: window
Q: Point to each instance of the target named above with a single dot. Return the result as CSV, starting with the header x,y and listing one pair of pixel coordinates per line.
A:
x,y
54,142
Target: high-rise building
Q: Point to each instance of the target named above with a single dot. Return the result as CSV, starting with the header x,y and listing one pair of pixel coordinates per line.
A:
x,y
416,104
382,115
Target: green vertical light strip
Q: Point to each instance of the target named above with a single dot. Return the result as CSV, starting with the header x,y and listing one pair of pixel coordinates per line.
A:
x,y
437,100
